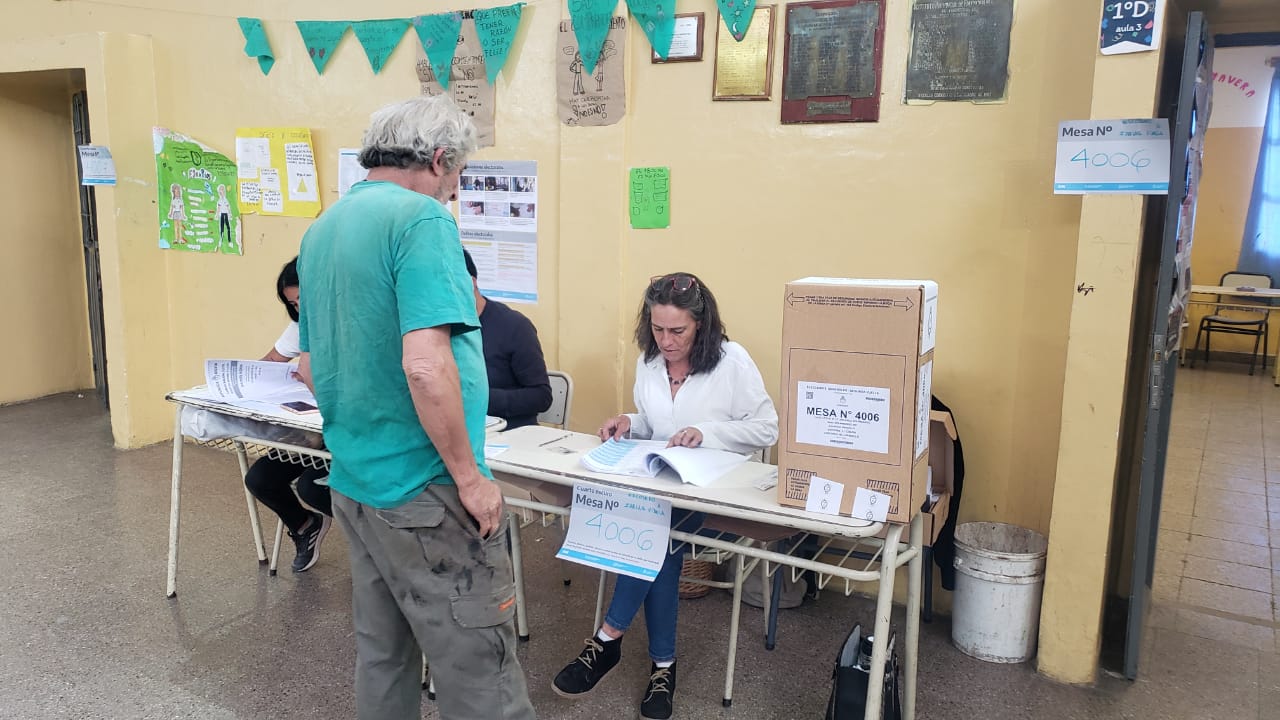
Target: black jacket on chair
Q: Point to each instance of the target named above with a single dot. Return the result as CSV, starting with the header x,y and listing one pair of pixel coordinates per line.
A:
x,y
944,549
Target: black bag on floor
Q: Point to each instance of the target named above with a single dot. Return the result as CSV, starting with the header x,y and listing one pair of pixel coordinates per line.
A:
x,y
852,673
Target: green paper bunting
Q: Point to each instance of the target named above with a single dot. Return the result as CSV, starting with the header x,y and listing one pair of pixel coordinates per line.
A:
x,y
591,20
737,16
658,20
255,43
439,37
379,39
497,28
321,38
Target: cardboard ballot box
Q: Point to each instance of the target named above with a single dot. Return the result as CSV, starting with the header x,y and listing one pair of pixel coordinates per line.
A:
x,y
857,369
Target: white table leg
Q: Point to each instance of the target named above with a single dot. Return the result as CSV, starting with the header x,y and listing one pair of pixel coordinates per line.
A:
x,y
517,569
171,586
254,523
884,611
910,649
734,615
275,548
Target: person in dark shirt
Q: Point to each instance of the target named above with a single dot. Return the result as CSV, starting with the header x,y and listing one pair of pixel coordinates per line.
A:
x,y
518,385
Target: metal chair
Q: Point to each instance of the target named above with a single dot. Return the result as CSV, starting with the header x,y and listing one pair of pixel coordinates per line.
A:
x,y
1233,319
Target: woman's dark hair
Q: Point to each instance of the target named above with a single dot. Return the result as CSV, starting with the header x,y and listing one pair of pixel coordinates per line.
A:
x,y
288,278
685,291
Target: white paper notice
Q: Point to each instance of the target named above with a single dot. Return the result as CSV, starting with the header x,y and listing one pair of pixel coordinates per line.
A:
x,y
617,530
300,165
350,171
684,38
498,222
824,496
96,166
870,505
843,416
252,154
272,201
254,380
250,192
924,403
270,179
1112,157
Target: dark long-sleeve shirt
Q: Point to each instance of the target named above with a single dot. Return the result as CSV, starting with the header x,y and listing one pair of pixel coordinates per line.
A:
x,y
518,385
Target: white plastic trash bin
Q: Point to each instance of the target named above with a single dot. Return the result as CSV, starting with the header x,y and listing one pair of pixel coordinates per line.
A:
x,y
999,582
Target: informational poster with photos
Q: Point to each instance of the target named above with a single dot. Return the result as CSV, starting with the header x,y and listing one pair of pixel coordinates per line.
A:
x,y
498,221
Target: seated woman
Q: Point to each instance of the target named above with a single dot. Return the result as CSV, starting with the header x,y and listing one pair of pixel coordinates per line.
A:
x,y
271,481
693,388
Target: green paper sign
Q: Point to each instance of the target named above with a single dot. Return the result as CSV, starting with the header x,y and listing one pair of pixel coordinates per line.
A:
x,y
497,28
591,19
379,39
439,37
650,197
321,38
199,210
737,16
658,20
255,43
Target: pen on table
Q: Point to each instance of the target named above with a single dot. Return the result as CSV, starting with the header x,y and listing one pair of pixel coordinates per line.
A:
x,y
555,440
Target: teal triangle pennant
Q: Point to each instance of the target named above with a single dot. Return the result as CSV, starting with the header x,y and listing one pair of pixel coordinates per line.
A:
x,y
591,21
658,20
496,28
439,37
321,37
379,39
255,43
737,16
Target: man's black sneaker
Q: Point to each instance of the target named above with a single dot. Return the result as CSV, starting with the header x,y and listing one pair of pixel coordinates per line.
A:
x,y
308,542
660,693
580,676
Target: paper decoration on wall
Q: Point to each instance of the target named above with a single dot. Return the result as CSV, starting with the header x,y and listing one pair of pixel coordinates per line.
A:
x,y
658,20
379,39
650,197
197,201
350,171
591,23
255,43
467,84
276,168
737,16
591,98
321,38
496,28
1130,26
439,36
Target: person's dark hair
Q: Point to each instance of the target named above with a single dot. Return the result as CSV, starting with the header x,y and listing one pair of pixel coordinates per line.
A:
x,y
471,264
685,291
288,278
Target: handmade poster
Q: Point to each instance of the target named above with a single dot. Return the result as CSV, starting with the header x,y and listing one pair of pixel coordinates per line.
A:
x,y
197,199
350,171
497,28
591,98
438,34
468,83
591,21
321,37
959,50
649,197
1130,26
832,61
498,222
277,172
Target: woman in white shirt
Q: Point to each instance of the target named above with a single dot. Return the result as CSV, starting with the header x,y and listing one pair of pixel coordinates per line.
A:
x,y
694,387
271,481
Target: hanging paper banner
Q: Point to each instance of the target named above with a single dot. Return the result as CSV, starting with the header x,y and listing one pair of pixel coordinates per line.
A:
x,y
658,20
198,209
439,35
591,98
497,28
591,20
321,38
737,16
379,39
255,43
277,172
467,84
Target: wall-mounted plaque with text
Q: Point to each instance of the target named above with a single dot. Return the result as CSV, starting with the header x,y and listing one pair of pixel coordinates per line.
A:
x,y
959,50
832,61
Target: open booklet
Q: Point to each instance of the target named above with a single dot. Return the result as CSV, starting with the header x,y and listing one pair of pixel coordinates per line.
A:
x,y
648,458
257,385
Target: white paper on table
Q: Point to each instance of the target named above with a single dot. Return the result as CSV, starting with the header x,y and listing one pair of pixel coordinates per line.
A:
x,y
870,505
262,380
492,450
824,496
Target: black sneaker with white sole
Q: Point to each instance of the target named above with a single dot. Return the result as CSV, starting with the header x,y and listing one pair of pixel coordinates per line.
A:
x,y
308,540
658,697
593,663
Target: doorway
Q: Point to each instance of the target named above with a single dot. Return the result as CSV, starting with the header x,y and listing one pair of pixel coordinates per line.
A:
x,y
92,261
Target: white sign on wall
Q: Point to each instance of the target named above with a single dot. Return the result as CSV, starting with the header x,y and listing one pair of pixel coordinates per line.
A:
x,y
1112,157
1241,85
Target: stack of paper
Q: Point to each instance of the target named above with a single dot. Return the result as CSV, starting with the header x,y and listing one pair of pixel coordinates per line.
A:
x,y
254,384
648,458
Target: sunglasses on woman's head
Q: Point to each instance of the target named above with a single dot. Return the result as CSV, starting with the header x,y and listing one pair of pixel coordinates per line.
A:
x,y
680,282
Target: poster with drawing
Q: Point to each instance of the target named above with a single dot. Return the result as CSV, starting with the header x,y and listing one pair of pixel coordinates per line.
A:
x,y
468,84
597,98
277,171
197,199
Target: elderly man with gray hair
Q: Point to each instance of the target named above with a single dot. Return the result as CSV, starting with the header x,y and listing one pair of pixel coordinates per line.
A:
x,y
389,321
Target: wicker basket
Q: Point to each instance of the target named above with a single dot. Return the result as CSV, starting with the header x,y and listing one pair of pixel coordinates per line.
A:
x,y
699,569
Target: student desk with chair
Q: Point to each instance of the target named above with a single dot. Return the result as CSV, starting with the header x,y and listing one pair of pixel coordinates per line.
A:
x,y
1266,300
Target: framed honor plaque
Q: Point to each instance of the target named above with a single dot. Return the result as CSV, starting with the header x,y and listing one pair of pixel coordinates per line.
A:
x,y
832,60
744,70
686,40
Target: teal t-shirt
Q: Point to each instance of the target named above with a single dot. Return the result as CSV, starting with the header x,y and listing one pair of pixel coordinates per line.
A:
x,y
381,262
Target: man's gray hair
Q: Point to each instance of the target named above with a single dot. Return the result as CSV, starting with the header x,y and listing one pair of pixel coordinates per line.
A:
x,y
408,133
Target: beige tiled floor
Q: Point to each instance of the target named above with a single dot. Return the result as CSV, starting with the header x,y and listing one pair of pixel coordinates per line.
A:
x,y
1218,553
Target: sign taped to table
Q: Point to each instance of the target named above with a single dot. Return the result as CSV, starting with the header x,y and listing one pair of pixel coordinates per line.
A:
x,y
616,530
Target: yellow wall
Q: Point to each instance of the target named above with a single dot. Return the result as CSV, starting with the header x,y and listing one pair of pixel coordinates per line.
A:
x,y
42,282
